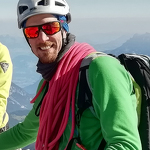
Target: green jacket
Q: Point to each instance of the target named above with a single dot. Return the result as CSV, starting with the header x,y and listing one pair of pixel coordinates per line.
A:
x,y
5,82
115,116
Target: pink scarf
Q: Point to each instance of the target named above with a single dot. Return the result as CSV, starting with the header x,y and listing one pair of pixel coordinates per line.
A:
x,y
54,112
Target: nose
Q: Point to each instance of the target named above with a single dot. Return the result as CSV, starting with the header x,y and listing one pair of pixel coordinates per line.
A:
x,y
42,36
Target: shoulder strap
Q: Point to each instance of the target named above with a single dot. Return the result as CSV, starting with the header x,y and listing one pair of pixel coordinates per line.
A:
x,y
85,94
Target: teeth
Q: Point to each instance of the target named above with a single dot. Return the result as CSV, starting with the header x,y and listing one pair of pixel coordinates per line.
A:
x,y
46,47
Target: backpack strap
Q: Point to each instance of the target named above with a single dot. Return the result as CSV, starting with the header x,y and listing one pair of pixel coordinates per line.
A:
x,y
102,144
85,94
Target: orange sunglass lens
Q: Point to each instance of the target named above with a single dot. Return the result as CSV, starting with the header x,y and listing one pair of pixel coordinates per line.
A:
x,y
31,32
51,28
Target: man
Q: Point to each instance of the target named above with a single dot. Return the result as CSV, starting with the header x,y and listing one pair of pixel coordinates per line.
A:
x,y
51,122
5,83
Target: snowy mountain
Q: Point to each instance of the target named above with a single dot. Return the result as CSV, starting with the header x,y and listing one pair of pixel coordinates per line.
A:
x,y
112,44
139,44
30,147
18,99
17,116
18,107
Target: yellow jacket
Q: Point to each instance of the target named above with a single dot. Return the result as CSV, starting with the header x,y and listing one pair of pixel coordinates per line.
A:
x,y
6,70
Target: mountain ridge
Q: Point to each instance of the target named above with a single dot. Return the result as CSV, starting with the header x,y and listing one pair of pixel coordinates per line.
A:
x,y
138,44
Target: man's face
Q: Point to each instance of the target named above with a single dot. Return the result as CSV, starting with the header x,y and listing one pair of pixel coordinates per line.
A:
x,y
45,47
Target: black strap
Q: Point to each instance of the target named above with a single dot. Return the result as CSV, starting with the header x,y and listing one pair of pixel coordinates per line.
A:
x,y
102,144
85,100
85,95
77,140
70,144
37,110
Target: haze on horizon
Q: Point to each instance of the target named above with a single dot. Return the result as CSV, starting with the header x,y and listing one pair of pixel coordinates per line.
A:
x,y
91,18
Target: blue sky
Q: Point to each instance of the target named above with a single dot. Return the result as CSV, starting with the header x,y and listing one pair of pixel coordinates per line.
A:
x,y
90,17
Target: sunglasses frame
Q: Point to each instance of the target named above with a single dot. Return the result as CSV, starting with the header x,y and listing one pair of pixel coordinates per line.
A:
x,y
40,28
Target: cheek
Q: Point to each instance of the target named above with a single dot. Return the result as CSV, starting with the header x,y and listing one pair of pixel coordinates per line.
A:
x,y
31,41
32,45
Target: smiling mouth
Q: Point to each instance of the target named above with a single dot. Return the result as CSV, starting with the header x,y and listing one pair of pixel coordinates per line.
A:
x,y
46,47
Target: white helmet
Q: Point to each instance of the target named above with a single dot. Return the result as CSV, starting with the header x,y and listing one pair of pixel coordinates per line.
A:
x,y
28,8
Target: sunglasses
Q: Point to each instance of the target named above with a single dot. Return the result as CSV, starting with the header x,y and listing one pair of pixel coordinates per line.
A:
x,y
49,28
